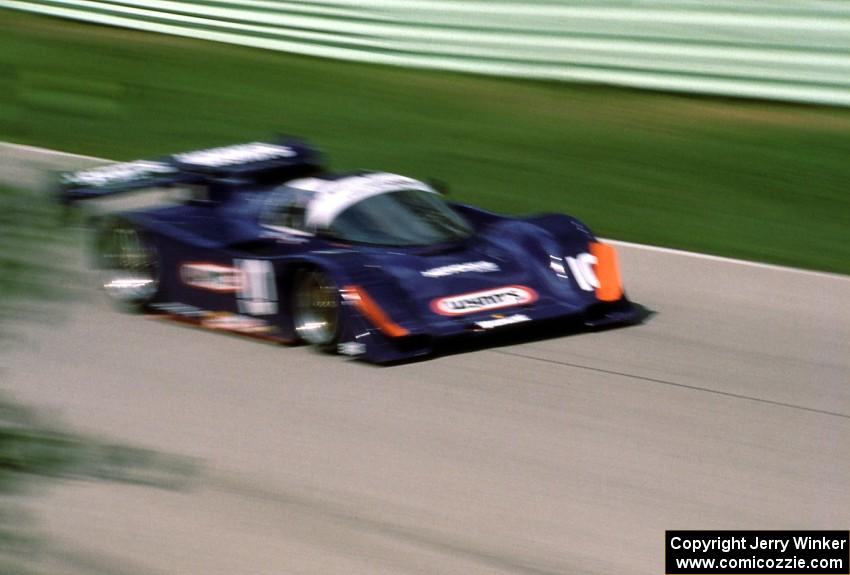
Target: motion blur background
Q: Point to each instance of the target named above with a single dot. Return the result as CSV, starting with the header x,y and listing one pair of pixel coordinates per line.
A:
x,y
761,179
721,127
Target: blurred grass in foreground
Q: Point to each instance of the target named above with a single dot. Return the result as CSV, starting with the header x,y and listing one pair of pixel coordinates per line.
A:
x,y
748,179
33,253
34,249
34,450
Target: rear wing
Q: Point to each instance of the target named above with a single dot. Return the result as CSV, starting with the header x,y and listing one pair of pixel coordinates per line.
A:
x,y
249,162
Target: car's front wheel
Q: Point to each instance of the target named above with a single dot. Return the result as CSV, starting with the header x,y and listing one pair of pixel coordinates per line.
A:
x,y
316,308
128,264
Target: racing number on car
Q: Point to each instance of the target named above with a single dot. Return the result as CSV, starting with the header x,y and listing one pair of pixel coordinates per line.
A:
x,y
258,294
582,268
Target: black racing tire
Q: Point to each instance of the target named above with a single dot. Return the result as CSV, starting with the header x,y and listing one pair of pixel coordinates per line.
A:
x,y
128,264
316,309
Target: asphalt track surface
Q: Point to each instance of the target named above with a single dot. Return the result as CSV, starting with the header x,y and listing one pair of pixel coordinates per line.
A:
x,y
728,409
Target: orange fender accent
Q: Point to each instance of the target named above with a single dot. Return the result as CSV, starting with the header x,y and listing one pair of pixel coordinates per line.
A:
x,y
607,272
373,312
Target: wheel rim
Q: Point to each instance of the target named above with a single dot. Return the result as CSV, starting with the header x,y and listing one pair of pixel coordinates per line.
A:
x,y
129,267
316,309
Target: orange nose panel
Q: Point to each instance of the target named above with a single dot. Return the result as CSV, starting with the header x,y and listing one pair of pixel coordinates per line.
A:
x,y
607,272
373,311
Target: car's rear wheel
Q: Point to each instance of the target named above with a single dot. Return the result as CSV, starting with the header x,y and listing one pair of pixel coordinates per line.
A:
x,y
316,308
128,264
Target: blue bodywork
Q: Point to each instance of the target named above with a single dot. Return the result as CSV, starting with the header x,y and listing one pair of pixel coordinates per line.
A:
x,y
540,256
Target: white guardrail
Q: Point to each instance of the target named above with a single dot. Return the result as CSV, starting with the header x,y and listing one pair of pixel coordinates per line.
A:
x,y
796,50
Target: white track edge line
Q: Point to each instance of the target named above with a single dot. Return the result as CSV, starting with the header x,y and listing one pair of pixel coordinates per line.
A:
x,y
621,243
49,152
724,259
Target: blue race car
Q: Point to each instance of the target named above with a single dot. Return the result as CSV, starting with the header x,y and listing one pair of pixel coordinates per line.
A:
x,y
368,264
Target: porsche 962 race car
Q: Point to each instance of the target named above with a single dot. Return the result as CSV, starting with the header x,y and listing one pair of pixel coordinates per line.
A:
x,y
368,264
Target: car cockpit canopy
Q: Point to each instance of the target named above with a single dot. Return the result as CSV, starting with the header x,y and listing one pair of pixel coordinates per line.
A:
x,y
371,208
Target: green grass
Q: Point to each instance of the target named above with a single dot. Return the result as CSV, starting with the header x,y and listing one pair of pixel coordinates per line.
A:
x,y
756,180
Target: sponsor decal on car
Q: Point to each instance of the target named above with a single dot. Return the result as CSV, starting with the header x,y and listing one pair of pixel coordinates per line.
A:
x,y
179,309
113,173
467,267
234,322
496,298
212,277
219,320
286,236
258,293
239,154
351,348
499,321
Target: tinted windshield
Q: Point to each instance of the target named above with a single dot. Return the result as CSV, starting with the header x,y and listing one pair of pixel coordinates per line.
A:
x,y
402,218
